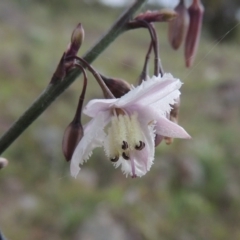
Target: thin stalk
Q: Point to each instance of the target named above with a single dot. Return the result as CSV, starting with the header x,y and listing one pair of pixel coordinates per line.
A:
x,y
144,73
158,61
97,76
136,24
77,117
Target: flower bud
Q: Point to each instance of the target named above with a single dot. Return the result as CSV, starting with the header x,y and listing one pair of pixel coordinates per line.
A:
x,y
3,162
195,11
178,26
76,41
72,135
74,132
118,87
164,15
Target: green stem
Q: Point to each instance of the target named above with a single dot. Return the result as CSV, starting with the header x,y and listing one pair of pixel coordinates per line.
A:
x,y
54,90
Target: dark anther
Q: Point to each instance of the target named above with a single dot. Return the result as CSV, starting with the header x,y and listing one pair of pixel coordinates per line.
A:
x,y
125,156
124,145
140,146
115,159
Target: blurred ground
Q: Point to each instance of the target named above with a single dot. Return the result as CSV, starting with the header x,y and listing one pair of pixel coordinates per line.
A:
x,y
192,191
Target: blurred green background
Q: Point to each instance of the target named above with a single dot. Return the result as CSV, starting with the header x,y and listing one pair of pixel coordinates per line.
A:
x,y
192,191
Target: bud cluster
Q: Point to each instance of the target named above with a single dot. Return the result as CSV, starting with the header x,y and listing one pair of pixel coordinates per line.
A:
x,y
187,27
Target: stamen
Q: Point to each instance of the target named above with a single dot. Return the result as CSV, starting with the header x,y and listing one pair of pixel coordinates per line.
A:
x,y
124,136
125,156
140,146
124,145
115,159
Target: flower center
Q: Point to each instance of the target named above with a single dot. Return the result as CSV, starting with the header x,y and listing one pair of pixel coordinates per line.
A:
x,y
124,135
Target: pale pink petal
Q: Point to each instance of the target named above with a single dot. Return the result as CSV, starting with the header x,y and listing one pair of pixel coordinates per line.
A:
x,y
97,105
125,166
167,128
93,137
146,114
164,126
149,91
163,105
144,159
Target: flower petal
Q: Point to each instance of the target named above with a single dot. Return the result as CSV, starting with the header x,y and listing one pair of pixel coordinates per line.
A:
x,y
163,105
167,128
164,126
93,137
150,91
97,105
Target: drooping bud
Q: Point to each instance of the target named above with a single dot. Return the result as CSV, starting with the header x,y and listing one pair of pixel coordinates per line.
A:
x,y
118,87
72,135
76,41
164,15
3,162
195,11
178,26
174,118
74,132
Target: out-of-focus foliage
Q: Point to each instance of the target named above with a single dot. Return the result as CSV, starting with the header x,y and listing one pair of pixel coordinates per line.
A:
x,y
192,190
221,16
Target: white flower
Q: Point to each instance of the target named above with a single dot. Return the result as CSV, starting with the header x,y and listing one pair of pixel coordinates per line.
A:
x,y
134,120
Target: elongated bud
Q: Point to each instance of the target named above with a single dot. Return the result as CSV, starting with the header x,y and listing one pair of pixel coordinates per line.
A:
x,y
72,135
76,40
64,64
117,86
195,11
3,162
174,118
178,26
163,15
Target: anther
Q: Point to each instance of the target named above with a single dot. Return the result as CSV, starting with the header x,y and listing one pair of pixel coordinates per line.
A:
x,y
140,146
125,156
115,159
124,145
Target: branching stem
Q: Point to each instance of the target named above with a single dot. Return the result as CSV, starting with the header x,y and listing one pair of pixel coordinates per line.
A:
x,y
54,90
